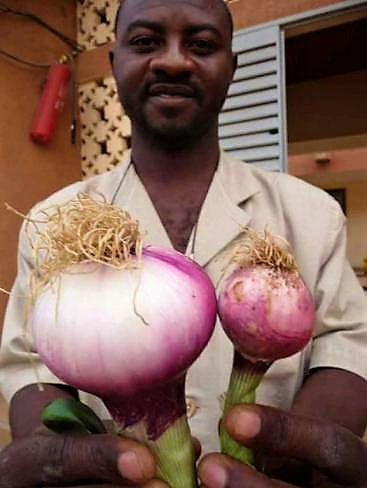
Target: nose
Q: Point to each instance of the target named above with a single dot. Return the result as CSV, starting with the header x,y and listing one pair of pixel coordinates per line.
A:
x,y
172,59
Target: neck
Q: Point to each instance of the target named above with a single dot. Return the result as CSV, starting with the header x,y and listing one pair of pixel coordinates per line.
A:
x,y
155,161
177,179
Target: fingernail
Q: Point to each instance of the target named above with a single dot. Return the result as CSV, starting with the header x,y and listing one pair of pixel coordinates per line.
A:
x,y
244,423
213,475
129,466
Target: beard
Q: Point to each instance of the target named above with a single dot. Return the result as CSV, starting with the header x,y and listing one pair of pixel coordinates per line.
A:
x,y
170,128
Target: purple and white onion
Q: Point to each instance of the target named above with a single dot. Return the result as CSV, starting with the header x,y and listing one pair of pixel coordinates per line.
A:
x,y
268,313
128,336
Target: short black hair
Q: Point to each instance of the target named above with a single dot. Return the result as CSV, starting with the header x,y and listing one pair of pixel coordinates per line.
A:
x,y
222,2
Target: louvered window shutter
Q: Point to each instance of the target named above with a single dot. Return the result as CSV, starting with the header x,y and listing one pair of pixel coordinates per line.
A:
x,y
252,123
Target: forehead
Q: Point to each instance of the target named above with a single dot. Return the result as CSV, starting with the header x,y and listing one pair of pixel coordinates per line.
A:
x,y
184,11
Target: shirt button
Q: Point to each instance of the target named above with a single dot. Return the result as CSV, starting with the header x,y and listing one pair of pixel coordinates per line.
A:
x,y
191,407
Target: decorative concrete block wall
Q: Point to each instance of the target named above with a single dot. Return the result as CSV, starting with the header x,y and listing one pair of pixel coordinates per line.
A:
x,y
105,129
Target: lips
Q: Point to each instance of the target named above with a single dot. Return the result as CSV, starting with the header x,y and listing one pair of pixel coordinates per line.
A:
x,y
171,90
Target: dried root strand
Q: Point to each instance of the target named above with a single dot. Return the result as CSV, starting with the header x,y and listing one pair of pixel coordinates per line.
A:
x,y
263,248
83,229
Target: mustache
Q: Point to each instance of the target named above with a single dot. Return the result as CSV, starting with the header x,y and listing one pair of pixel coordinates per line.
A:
x,y
174,84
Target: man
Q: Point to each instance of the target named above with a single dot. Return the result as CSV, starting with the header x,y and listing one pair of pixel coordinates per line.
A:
x,y
173,64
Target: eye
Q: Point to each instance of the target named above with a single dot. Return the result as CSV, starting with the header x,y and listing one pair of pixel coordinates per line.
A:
x,y
144,43
202,47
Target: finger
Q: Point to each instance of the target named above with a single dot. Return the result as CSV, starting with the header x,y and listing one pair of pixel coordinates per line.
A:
x,y
219,471
135,462
155,484
285,469
326,446
57,459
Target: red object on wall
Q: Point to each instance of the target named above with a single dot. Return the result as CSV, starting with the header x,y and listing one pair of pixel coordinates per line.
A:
x,y
51,103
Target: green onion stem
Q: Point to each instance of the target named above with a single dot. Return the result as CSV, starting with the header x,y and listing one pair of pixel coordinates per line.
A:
x,y
178,469
245,378
173,451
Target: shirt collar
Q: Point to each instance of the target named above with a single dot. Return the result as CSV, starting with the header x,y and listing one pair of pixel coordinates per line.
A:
x,y
221,218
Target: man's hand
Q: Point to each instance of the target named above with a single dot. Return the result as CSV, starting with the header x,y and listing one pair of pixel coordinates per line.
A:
x,y
46,460
326,447
38,457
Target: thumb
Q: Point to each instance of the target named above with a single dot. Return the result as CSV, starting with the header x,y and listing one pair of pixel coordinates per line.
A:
x,y
134,461
325,446
61,460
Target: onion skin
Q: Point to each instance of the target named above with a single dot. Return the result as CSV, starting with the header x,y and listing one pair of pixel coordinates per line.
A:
x,y
267,313
90,336
129,336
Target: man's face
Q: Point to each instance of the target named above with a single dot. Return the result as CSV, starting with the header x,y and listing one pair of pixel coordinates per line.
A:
x,y
173,64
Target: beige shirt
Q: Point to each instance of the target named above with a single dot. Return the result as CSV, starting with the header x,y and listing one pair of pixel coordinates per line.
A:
x,y
239,195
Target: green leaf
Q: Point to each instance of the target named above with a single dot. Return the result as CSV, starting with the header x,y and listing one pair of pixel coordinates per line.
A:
x,y
68,415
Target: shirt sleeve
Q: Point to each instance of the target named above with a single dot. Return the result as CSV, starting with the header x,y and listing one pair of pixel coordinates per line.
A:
x,y
341,332
20,365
